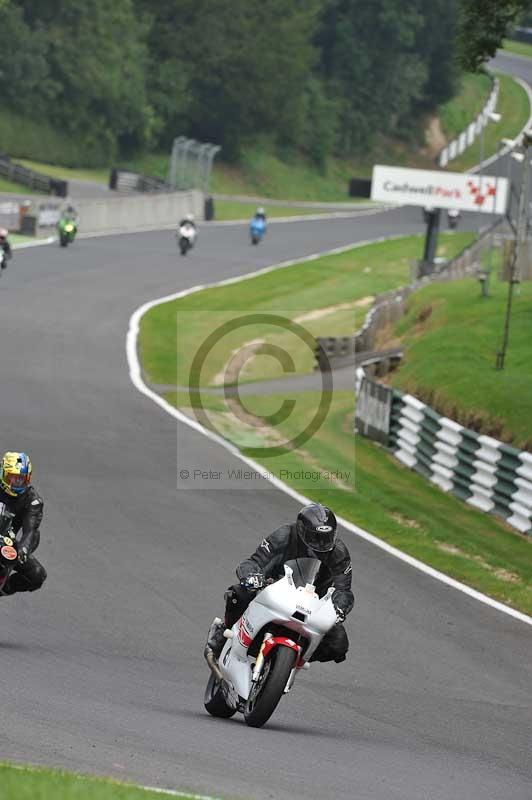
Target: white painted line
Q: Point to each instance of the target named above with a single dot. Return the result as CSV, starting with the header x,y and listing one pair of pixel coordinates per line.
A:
x,y
135,374
173,792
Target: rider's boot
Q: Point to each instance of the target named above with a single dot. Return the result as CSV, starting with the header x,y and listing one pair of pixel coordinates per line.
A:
x,y
216,638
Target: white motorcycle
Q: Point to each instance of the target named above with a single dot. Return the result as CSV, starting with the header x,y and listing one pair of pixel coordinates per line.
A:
x,y
265,649
186,236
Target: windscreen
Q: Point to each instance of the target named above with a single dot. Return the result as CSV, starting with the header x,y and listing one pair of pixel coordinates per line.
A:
x,y
5,519
304,570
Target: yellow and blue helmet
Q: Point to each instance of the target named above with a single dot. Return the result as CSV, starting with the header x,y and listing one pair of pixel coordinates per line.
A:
x,y
15,473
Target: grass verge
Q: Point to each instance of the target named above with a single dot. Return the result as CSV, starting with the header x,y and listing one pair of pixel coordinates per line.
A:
x,y
232,210
514,106
451,335
517,48
14,188
357,478
67,173
32,783
170,333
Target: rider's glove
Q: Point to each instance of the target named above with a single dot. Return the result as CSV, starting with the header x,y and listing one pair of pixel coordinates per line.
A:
x,y
22,556
340,615
254,582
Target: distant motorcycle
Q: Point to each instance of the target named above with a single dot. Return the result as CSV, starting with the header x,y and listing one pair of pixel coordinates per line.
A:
x,y
274,639
67,231
8,549
257,229
186,237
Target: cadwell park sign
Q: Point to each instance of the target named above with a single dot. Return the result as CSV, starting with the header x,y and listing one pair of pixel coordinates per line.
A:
x,y
454,190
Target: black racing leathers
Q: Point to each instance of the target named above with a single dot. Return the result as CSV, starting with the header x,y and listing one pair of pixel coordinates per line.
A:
x,y
6,247
273,552
28,511
283,545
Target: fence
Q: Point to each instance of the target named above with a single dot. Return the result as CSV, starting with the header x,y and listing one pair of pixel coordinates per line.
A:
x,y
474,129
486,473
34,180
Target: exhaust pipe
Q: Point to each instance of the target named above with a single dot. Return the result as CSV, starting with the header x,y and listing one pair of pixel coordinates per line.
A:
x,y
213,664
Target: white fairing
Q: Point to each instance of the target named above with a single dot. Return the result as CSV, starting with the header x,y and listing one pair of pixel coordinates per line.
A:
x,y
188,232
275,604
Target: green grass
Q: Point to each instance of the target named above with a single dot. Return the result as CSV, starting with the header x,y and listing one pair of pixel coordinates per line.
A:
x,y
457,113
517,48
14,188
514,106
450,357
24,137
32,783
348,277
67,173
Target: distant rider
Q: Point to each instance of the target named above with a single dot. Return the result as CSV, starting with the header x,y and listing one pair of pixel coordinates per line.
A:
x,y
70,213
312,536
260,214
6,247
24,502
188,219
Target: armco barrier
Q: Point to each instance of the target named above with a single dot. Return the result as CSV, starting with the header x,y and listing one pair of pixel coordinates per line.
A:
x,y
484,472
122,180
474,129
128,213
34,180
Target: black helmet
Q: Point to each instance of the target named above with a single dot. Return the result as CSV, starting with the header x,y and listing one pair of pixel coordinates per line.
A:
x,y
316,527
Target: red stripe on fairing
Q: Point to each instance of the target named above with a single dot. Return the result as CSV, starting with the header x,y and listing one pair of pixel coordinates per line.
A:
x,y
269,644
244,637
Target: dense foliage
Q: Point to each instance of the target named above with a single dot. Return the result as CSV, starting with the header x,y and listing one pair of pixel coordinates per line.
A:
x,y
326,75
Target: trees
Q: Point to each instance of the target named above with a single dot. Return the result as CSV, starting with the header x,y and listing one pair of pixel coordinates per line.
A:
x,y
323,75
94,67
482,26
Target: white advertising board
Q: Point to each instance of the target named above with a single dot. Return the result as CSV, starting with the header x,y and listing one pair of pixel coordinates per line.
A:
x,y
420,187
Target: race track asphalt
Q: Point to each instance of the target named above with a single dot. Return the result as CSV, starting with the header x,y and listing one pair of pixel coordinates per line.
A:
x,y
102,671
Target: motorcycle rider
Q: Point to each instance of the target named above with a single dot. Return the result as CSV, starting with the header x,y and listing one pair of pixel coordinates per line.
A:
x,y
70,212
313,535
260,214
5,245
188,219
22,499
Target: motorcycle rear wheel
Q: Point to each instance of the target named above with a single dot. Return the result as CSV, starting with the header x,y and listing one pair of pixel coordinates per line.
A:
x,y
214,700
261,706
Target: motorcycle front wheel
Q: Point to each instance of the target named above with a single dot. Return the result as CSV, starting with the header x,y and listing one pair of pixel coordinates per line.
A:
x,y
264,699
214,700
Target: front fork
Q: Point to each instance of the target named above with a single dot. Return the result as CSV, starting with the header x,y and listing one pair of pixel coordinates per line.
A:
x,y
259,664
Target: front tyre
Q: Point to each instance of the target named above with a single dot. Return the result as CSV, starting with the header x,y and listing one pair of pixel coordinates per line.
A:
x,y
214,700
63,240
264,699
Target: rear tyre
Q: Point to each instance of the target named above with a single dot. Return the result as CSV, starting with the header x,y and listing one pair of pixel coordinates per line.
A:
x,y
264,700
214,700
